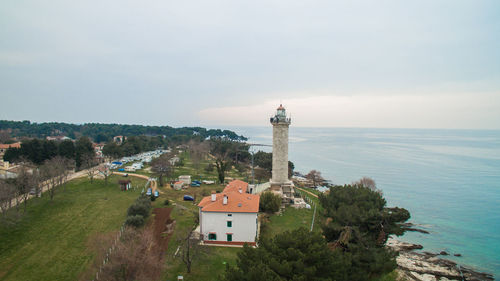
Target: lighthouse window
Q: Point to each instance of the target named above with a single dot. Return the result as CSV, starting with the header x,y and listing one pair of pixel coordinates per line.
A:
x,y
229,215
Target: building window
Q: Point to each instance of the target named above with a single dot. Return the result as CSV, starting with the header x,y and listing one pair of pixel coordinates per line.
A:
x,y
229,237
229,215
229,224
212,236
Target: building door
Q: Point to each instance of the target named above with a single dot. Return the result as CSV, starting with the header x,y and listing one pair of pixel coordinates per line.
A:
x,y
229,237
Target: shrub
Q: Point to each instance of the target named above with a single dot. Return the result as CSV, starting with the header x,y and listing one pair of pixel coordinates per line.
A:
x,y
139,209
269,202
205,192
135,221
166,202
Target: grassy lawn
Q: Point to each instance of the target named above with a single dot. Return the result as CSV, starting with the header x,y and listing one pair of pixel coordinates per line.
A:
x,y
50,241
210,264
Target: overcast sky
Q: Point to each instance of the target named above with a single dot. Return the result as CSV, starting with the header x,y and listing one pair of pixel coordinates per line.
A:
x,y
404,64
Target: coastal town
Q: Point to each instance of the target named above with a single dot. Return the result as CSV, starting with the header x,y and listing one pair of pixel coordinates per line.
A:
x,y
194,207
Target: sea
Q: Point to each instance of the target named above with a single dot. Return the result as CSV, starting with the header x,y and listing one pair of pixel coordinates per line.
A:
x,y
449,180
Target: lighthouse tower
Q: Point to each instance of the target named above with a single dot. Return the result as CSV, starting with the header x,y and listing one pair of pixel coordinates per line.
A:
x,y
280,147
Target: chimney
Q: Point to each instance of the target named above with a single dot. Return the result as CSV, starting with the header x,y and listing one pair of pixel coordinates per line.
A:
x,y
214,196
224,201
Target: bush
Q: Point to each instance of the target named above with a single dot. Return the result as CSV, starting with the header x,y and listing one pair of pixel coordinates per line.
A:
x,y
205,192
269,202
135,221
166,202
139,209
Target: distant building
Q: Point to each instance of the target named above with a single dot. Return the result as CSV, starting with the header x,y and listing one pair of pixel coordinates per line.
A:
x,y
57,138
178,185
119,139
185,179
4,147
230,217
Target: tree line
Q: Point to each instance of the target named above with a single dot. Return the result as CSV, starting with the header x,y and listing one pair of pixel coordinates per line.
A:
x,y
105,132
38,151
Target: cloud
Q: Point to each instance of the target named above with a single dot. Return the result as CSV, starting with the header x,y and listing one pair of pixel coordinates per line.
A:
x,y
381,111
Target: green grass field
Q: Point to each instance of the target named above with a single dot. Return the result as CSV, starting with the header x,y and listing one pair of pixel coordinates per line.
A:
x,y
50,241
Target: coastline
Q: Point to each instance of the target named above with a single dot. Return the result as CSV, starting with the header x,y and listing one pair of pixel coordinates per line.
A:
x,y
427,266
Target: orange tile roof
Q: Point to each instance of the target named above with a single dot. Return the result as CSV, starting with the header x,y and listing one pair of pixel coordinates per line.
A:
x,y
14,145
236,185
236,203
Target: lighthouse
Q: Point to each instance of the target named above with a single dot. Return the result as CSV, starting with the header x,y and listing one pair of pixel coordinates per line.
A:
x,y
280,124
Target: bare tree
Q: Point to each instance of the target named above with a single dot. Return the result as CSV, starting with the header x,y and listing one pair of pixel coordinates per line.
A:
x,y
137,256
197,151
368,183
105,171
191,248
4,136
55,172
7,194
315,177
89,162
27,179
163,166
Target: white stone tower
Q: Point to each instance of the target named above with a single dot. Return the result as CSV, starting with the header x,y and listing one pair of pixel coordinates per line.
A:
x,y
280,147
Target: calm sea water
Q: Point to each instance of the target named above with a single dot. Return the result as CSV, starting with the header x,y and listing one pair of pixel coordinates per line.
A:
x,y
449,180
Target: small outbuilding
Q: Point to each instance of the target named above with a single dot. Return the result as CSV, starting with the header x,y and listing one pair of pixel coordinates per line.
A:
x,y
125,184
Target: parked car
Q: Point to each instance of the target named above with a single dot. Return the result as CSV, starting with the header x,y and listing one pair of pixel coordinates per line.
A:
x,y
121,170
194,184
149,192
188,198
157,194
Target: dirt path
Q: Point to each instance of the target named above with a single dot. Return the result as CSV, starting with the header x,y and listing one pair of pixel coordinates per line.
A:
x,y
154,185
307,191
163,226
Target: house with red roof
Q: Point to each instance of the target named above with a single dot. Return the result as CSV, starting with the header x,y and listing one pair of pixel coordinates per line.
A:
x,y
230,217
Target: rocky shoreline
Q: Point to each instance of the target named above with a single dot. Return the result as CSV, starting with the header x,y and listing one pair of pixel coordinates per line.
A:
x,y
429,266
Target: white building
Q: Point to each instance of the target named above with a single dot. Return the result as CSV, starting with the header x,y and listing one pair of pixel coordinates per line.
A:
x,y
185,179
230,217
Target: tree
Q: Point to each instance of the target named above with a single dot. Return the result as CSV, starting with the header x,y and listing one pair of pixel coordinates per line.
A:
x,y
191,248
359,223
83,150
291,255
55,171
4,136
112,149
7,194
221,150
162,166
197,151
26,180
315,177
269,202
89,163
366,182
67,149
136,256
262,174
105,171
